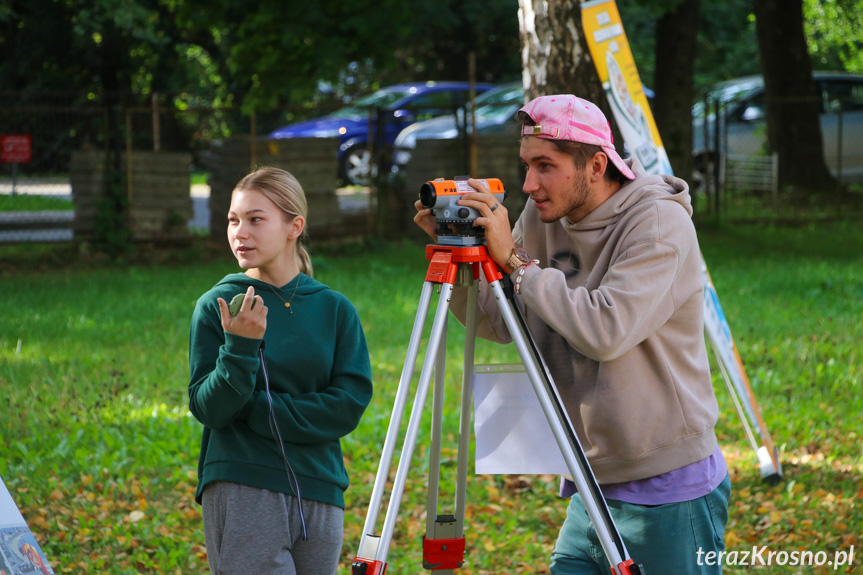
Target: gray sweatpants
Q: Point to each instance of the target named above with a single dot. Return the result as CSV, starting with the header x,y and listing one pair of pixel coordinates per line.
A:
x,y
250,531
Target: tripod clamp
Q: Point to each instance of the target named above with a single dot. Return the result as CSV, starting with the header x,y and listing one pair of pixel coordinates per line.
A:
x,y
444,543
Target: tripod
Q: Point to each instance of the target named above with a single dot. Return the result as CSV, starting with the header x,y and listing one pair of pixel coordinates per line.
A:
x,y
444,542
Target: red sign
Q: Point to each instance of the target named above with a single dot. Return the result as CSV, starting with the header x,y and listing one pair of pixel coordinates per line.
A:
x,y
15,149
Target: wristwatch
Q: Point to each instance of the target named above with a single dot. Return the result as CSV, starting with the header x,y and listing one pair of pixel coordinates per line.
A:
x,y
519,257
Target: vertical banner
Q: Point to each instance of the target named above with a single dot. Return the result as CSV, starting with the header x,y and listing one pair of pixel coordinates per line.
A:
x,y
619,76
615,65
20,554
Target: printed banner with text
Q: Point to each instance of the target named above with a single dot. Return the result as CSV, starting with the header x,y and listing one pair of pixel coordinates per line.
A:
x,y
20,554
619,76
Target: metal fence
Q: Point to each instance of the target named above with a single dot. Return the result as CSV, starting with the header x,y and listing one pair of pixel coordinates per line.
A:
x,y
37,200
41,133
730,149
36,197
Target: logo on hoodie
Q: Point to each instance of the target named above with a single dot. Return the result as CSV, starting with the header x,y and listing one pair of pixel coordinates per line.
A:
x,y
567,262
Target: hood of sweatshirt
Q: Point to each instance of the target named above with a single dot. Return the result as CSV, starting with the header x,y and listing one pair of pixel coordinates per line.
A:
x,y
308,285
643,187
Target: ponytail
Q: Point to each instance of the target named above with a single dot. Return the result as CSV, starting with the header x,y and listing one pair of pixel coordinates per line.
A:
x,y
304,258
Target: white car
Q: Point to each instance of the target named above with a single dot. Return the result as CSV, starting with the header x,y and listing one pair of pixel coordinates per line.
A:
x,y
744,130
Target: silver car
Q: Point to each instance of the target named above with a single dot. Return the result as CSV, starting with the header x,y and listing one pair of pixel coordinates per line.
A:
x,y
494,114
743,128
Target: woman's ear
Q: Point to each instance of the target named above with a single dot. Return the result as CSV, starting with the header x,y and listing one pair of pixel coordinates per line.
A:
x,y
296,227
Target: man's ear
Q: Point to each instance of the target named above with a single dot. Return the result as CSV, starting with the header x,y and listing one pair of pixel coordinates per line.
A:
x,y
597,165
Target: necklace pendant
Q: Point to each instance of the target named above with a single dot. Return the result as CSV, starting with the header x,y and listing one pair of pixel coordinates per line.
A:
x,y
287,304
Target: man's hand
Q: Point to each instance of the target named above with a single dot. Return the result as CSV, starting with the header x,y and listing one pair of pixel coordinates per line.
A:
x,y
250,321
494,218
425,219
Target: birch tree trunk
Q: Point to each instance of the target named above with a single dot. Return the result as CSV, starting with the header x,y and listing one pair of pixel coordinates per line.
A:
x,y
555,57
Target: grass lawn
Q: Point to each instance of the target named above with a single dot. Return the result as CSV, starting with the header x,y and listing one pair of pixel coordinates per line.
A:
x,y
32,203
99,451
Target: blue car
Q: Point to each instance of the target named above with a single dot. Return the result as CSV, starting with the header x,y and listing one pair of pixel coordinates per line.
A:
x,y
401,105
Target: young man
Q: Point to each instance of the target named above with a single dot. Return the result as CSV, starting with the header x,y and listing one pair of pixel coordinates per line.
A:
x,y
607,269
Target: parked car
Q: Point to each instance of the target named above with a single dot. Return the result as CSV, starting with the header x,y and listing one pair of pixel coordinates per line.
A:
x,y
743,128
401,105
495,112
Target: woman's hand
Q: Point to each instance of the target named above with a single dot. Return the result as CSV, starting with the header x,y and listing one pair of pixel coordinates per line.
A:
x,y
250,321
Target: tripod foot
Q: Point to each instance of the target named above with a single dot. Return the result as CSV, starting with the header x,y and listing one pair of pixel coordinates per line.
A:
x,y
630,567
367,567
443,553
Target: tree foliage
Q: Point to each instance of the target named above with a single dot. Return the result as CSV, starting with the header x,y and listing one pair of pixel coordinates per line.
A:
x,y
834,34
270,53
262,54
725,47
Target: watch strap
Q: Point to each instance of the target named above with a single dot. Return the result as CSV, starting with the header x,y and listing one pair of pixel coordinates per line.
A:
x,y
518,258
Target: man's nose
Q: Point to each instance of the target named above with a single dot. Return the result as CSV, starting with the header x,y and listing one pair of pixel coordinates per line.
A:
x,y
530,182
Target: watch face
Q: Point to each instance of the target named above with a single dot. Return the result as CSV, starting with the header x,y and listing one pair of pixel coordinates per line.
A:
x,y
522,254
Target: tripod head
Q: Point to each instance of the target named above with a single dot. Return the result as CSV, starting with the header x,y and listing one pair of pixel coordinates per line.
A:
x,y
454,222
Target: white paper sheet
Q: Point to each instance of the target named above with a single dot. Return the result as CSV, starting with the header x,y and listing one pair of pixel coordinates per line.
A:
x,y
512,434
9,514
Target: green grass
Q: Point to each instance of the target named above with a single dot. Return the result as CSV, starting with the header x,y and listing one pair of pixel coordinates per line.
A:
x,y
743,206
28,203
199,178
99,451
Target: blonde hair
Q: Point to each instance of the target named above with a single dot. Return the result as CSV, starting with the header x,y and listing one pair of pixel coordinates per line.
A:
x,y
284,190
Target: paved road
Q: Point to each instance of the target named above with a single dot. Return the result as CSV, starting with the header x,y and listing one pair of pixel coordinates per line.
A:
x,y
60,233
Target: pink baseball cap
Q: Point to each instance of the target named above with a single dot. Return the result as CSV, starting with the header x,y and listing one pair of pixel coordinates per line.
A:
x,y
567,117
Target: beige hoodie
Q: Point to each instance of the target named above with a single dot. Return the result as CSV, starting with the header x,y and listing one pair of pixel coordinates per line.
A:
x,y
615,306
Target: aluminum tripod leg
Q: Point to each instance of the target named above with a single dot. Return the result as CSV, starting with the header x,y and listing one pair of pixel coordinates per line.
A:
x,y
567,440
443,546
398,411
375,549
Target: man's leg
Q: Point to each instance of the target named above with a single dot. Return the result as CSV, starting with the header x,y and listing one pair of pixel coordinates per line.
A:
x,y
577,550
681,538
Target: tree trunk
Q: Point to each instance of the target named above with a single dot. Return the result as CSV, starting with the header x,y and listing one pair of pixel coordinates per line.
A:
x,y
676,33
555,56
793,128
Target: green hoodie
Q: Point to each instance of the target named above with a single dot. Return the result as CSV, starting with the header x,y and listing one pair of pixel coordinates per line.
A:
x,y
320,383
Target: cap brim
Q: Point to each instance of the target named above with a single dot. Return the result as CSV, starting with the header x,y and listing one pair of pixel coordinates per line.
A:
x,y
618,161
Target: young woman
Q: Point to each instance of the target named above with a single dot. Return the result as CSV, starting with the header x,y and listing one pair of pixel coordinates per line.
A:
x,y
276,386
